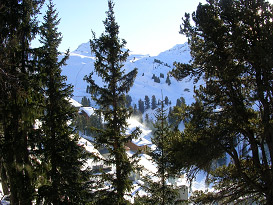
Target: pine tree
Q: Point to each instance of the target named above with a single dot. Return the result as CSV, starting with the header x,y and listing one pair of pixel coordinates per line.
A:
x,y
170,119
230,43
147,119
141,106
62,159
19,97
157,79
135,110
128,101
166,100
88,102
178,103
147,102
168,81
177,113
156,183
110,56
85,102
154,104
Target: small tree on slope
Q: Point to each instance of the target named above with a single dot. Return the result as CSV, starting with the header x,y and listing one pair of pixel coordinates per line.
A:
x,y
159,191
110,55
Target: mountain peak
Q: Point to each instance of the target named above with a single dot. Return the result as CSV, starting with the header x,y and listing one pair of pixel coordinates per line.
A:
x,y
83,49
81,63
178,53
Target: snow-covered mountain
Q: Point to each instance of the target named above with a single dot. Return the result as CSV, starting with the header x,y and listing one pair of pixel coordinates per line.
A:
x,y
81,63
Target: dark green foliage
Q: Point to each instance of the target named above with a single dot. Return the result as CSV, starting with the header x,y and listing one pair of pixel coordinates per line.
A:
x,y
137,114
161,63
170,111
147,119
128,101
231,48
85,102
141,106
154,104
62,178
19,97
135,110
158,61
161,75
147,102
177,113
180,101
84,124
110,56
168,81
156,183
166,101
156,79
225,176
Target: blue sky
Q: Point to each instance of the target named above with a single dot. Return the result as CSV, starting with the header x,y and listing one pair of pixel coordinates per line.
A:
x,y
148,26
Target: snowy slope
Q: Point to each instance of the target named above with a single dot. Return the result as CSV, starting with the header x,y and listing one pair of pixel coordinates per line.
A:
x,y
144,160
81,63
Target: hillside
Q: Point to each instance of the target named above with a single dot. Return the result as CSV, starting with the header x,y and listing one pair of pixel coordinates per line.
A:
x,y
81,63
148,166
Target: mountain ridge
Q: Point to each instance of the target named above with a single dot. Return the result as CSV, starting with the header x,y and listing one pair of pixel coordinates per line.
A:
x,y
81,63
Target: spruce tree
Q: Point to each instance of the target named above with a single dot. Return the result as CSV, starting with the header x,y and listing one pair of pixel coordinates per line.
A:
x,y
110,56
159,192
141,107
128,101
147,102
135,110
19,97
88,102
178,103
166,100
168,81
154,104
61,157
85,102
147,119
